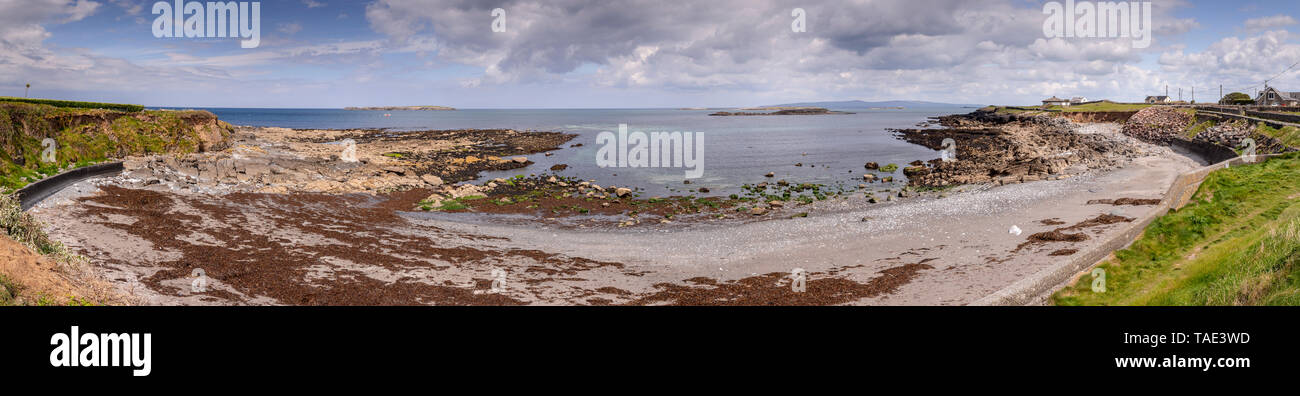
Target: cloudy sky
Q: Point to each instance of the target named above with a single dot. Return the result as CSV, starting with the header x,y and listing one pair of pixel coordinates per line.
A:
x,y
636,53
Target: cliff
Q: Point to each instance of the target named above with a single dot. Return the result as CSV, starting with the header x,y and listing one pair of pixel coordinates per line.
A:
x,y
85,136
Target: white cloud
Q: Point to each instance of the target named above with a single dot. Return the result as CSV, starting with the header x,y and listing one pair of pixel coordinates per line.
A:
x,y
290,28
1270,22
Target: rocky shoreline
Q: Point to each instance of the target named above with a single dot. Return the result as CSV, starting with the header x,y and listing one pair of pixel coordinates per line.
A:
x,y
1001,149
287,217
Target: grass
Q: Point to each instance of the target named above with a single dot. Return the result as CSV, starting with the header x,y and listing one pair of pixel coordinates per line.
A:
x,y
1198,128
1237,243
1289,135
83,137
131,108
8,291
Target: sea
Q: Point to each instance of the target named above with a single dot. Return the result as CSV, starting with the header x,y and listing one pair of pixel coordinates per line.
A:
x,y
737,150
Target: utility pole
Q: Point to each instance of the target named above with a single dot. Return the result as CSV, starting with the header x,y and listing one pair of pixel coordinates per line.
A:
x,y
1220,92
26,91
1180,94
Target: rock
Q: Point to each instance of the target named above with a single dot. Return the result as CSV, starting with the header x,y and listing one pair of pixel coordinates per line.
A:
x,y
873,166
913,171
559,167
862,186
776,204
887,179
704,189
800,164
395,169
520,160
770,174
431,180
916,163
622,192
868,177
872,199
782,182
757,211
133,163
324,186
604,204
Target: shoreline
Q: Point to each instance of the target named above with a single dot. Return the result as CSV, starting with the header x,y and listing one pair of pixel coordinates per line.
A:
x,y
886,253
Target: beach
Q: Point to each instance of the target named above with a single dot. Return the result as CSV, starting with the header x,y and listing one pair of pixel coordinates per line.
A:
x,y
297,236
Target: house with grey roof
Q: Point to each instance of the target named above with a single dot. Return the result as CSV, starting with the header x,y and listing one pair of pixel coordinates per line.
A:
x,y
1272,97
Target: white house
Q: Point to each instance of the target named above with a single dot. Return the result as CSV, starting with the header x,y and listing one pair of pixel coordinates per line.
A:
x,y
1055,101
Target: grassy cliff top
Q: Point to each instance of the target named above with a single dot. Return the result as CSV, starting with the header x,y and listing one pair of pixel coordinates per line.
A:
x,y
83,136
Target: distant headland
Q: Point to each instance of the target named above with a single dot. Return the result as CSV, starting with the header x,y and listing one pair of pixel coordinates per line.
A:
x,y
780,111
393,108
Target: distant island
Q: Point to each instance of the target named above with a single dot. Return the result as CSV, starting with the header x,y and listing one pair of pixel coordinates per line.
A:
x,y
394,108
780,111
858,104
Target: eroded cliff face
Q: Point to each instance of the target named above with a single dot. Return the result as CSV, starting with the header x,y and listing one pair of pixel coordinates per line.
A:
x,y
84,136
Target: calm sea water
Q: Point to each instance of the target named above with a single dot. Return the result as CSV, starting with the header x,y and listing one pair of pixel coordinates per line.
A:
x,y
737,150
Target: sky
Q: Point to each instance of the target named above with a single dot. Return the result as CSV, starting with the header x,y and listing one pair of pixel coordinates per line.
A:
x,y
638,53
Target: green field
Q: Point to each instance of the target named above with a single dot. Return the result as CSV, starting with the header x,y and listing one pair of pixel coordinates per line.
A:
x,y
1100,107
75,104
1236,243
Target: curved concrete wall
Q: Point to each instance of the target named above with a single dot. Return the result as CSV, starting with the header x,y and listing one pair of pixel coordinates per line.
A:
x,y
34,193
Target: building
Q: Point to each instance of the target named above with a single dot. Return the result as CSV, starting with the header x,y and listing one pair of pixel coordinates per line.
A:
x,y
1157,99
1078,100
1272,97
1055,101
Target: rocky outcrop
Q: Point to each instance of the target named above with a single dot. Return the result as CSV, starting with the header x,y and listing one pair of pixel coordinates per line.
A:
x,y
1005,148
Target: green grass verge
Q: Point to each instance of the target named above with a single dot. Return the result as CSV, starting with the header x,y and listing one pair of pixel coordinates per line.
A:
x,y
1198,128
131,108
1236,243
1289,136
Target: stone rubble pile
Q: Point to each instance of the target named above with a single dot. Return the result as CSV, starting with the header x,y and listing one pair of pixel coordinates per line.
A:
x,y
1157,124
